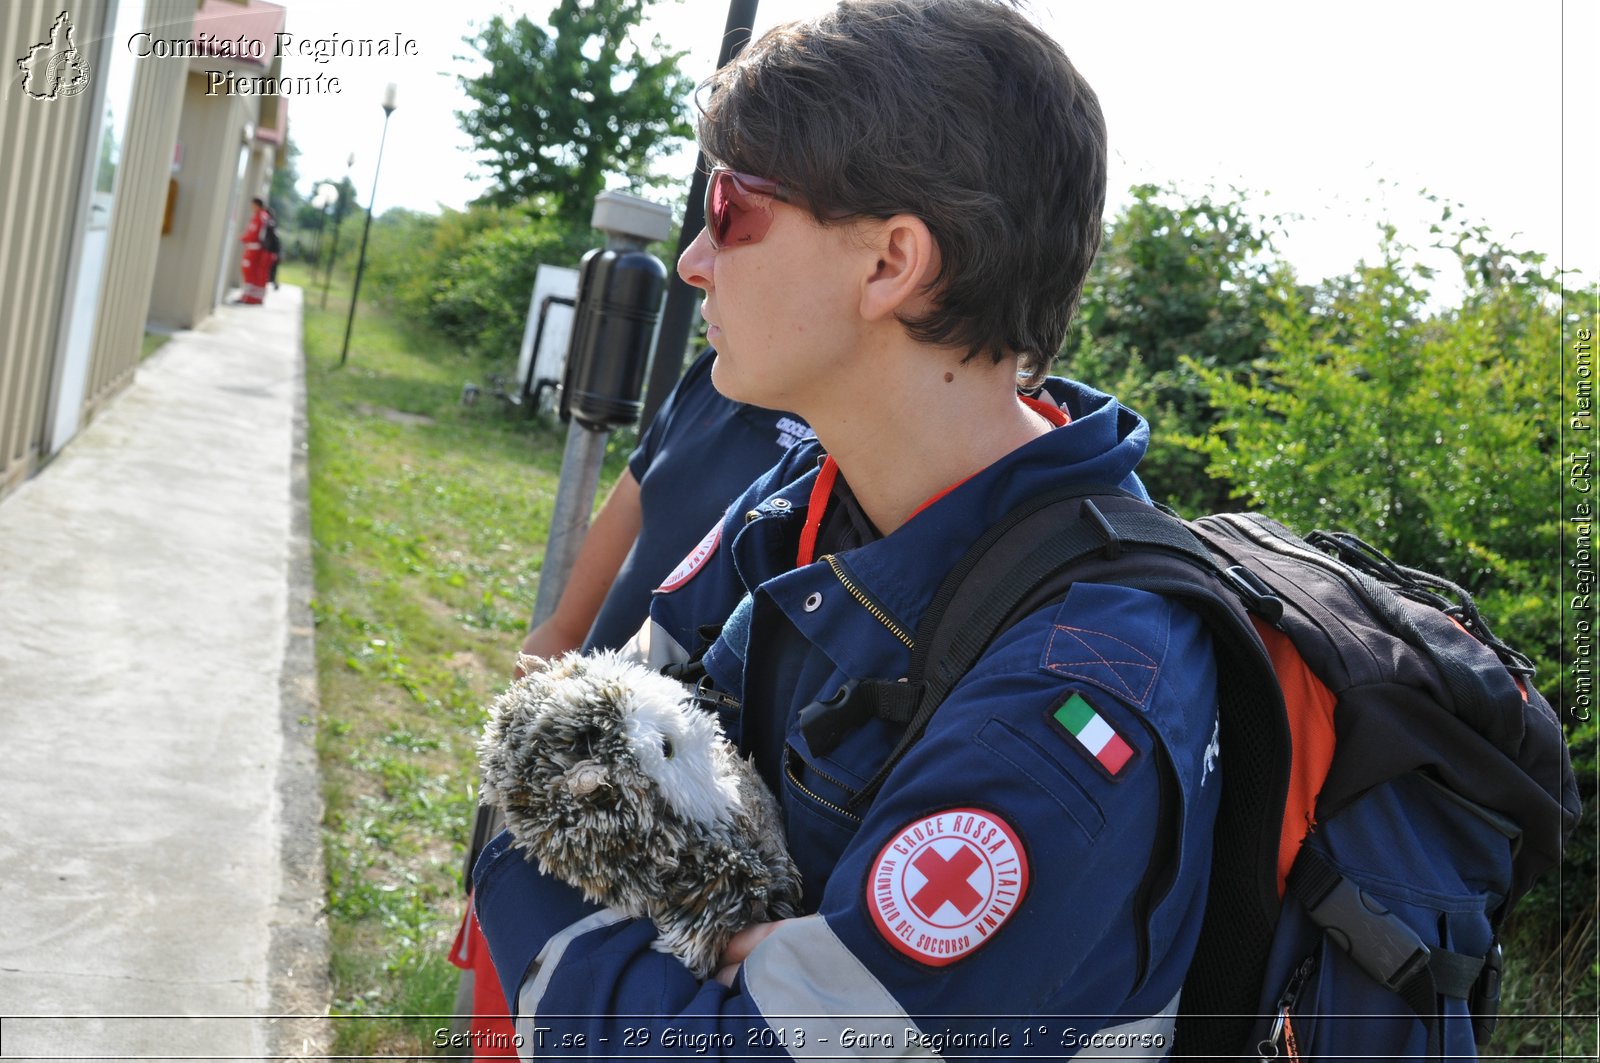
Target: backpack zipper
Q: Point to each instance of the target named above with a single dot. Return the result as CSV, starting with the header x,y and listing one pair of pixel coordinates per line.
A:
x,y
869,603
1283,1022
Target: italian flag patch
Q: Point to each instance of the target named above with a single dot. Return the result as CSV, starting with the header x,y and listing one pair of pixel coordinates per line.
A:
x,y
1093,734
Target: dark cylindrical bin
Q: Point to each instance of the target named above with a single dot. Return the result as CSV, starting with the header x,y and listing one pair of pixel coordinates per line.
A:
x,y
618,306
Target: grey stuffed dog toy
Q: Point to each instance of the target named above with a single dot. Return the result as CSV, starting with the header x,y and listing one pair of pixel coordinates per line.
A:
x,y
614,781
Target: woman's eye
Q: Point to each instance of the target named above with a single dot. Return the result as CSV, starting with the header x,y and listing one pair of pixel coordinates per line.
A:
x,y
666,747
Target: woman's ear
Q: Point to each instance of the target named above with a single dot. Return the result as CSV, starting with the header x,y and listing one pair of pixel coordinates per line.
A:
x,y
907,263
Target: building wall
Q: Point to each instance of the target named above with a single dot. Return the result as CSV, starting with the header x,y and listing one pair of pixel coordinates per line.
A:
x,y
46,144
141,204
184,293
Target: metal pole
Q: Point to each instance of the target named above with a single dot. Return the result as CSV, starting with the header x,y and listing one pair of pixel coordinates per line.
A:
x,y
569,521
677,316
361,259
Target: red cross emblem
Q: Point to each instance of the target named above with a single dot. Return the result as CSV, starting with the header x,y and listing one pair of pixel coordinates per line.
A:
x,y
947,881
945,884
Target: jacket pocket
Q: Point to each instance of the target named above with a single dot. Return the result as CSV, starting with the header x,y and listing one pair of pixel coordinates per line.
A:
x,y
815,787
818,822
1053,781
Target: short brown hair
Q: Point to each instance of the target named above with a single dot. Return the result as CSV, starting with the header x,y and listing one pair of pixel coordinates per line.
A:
x,y
961,112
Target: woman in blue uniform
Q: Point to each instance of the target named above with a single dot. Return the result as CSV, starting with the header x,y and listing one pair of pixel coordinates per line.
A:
x,y
907,199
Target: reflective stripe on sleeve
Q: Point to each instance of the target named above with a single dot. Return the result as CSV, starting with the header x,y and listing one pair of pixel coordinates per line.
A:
x,y
1141,1039
655,647
549,958
803,971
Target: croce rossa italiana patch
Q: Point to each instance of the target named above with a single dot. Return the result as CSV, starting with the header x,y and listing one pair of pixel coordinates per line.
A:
x,y
946,883
689,566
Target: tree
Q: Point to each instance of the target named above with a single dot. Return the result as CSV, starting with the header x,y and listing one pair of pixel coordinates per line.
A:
x,y
282,196
561,108
1175,279
1431,432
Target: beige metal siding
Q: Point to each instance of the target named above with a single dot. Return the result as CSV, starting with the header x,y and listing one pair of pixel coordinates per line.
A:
x,y
141,201
190,255
42,151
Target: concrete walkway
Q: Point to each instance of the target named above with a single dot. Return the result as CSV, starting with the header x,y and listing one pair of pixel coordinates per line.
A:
x,y
161,889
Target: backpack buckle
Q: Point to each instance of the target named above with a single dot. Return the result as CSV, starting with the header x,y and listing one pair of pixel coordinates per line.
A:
x,y
1484,1000
1374,937
1111,547
825,723
1258,597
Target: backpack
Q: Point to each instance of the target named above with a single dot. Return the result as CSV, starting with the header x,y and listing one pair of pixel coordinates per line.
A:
x,y
1392,783
269,236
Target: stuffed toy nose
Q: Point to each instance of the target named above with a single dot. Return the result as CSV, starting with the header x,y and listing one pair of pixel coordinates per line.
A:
x,y
587,778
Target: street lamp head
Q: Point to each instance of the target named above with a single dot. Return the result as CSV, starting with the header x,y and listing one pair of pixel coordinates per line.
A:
x,y
389,98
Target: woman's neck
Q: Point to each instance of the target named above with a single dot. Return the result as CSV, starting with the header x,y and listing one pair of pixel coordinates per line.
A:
x,y
926,423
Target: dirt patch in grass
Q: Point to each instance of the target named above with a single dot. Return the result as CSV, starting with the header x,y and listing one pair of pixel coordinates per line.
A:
x,y
395,416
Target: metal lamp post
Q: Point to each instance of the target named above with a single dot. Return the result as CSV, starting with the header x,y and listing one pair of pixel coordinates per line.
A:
x,y
361,258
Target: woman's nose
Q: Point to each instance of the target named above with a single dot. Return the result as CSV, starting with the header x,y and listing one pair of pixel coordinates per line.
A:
x,y
694,265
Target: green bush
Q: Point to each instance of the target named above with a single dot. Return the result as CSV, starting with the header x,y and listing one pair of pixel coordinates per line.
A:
x,y
468,274
480,296
1430,433
399,259
1177,281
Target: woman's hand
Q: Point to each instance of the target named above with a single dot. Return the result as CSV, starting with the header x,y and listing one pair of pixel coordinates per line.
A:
x,y
742,944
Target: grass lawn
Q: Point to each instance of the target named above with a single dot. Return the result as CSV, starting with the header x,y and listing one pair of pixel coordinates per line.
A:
x,y
429,521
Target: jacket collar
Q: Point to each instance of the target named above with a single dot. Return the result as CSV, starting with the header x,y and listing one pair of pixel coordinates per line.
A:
x,y
899,573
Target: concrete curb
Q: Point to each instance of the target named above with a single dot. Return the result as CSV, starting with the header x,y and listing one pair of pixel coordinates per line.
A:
x,y
301,989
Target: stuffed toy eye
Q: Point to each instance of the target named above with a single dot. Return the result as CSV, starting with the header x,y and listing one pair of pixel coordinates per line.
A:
x,y
666,747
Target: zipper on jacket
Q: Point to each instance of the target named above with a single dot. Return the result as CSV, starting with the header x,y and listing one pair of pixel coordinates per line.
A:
x,y
789,759
870,604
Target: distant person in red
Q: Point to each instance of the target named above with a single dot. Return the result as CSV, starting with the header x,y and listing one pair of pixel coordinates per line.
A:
x,y
260,252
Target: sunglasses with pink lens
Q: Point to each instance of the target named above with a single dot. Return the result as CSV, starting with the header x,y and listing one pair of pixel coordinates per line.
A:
x,y
739,207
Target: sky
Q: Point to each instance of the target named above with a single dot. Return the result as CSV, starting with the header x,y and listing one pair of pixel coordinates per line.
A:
x,y
1336,115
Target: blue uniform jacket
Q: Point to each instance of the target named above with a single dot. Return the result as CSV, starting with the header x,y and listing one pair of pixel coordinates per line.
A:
x,y
1030,878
